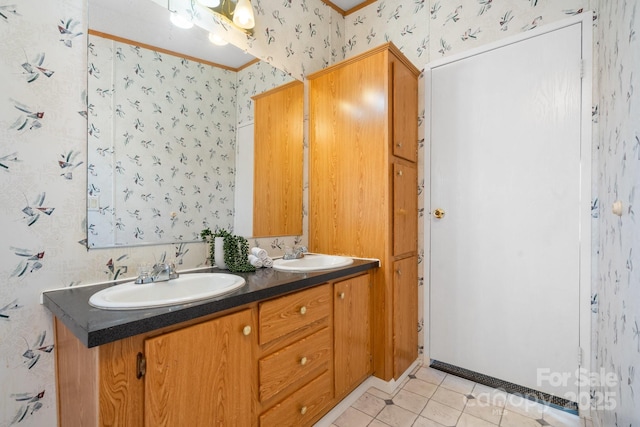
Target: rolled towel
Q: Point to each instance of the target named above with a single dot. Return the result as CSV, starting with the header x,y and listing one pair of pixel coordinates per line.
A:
x,y
259,253
267,262
255,261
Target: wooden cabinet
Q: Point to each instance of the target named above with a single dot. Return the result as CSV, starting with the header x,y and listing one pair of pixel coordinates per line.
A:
x,y
363,183
278,161
269,364
352,333
200,375
296,354
405,312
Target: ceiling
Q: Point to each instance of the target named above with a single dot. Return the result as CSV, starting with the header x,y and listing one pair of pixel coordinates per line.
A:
x,y
148,23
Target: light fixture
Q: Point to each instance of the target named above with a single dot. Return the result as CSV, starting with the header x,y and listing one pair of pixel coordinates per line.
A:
x,y
217,40
180,21
238,13
243,15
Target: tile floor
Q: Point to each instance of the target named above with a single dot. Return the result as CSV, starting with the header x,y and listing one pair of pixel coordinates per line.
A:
x,y
431,398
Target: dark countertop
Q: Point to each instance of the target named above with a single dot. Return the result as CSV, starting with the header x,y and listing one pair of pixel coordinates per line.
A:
x,y
94,326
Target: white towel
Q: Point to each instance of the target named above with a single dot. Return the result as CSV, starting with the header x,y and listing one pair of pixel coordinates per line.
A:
x,y
267,262
255,261
259,253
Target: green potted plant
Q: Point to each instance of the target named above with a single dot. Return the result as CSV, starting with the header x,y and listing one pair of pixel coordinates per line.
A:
x,y
234,253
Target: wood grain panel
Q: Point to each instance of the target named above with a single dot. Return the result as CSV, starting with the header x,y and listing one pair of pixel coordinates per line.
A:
x,y
303,407
121,392
76,379
201,375
349,189
405,208
295,363
278,161
284,315
405,102
352,333
405,314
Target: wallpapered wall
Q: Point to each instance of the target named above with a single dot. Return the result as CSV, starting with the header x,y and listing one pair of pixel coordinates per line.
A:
x,y
616,296
43,167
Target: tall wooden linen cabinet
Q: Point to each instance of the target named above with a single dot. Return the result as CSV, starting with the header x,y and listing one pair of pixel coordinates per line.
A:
x,y
363,187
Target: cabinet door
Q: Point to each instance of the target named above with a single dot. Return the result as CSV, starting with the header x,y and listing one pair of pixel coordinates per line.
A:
x,y
278,160
352,333
405,314
201,375
405,112
405,209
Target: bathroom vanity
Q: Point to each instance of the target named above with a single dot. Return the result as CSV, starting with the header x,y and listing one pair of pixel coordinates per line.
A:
x,y
282,350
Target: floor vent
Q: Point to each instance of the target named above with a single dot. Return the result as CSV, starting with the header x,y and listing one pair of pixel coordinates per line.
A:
x,y
525,392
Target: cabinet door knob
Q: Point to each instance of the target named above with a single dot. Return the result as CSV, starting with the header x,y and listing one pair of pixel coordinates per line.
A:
x,y
399,272
400,173
246,330
399,145
303,410
303,309
303,361
341,295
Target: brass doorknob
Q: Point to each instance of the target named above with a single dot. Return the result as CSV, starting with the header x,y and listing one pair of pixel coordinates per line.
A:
x,y
438,213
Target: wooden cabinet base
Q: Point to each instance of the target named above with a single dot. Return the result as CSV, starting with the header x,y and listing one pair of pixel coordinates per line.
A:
x,y
302,408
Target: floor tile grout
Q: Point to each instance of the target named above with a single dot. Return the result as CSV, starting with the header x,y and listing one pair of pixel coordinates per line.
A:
x,y
454,385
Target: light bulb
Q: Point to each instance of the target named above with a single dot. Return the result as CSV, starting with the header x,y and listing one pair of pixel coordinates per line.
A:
x,y
243,15
180,21
217,40
209,3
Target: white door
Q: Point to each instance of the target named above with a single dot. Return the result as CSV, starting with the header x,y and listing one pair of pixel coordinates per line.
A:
x,y
505,169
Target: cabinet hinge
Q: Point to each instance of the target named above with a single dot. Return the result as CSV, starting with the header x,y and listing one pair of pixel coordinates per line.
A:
x,y
582,69
141,366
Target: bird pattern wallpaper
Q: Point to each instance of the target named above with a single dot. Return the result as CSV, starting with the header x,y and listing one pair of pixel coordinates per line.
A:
x,y
43,162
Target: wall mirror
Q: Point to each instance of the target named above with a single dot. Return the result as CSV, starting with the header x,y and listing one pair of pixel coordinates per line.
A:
x,y
163,129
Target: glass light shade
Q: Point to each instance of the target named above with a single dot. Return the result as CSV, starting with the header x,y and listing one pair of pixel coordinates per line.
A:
x,y
180,21
217,40
209,3
243,15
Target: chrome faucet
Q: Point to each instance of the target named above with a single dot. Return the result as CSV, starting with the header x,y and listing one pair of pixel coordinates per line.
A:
x,y
295,253
160,272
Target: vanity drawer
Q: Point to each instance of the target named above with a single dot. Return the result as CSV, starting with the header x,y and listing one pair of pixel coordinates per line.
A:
x,y
301,407
293,363
281,316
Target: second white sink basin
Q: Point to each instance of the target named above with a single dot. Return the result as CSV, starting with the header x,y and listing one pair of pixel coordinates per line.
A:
x,y
312,262
184,289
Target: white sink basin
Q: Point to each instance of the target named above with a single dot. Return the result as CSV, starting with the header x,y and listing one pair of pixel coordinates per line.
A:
x,y
184,289
312,262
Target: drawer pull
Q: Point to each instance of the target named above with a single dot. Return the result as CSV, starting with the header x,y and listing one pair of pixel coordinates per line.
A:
x,y
303,361
303,310
341,295
246,330
303,410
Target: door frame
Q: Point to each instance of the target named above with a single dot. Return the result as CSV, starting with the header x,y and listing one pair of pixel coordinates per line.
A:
x,y
586,185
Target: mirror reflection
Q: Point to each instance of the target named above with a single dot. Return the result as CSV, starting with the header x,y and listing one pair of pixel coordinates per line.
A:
x,y
162,137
